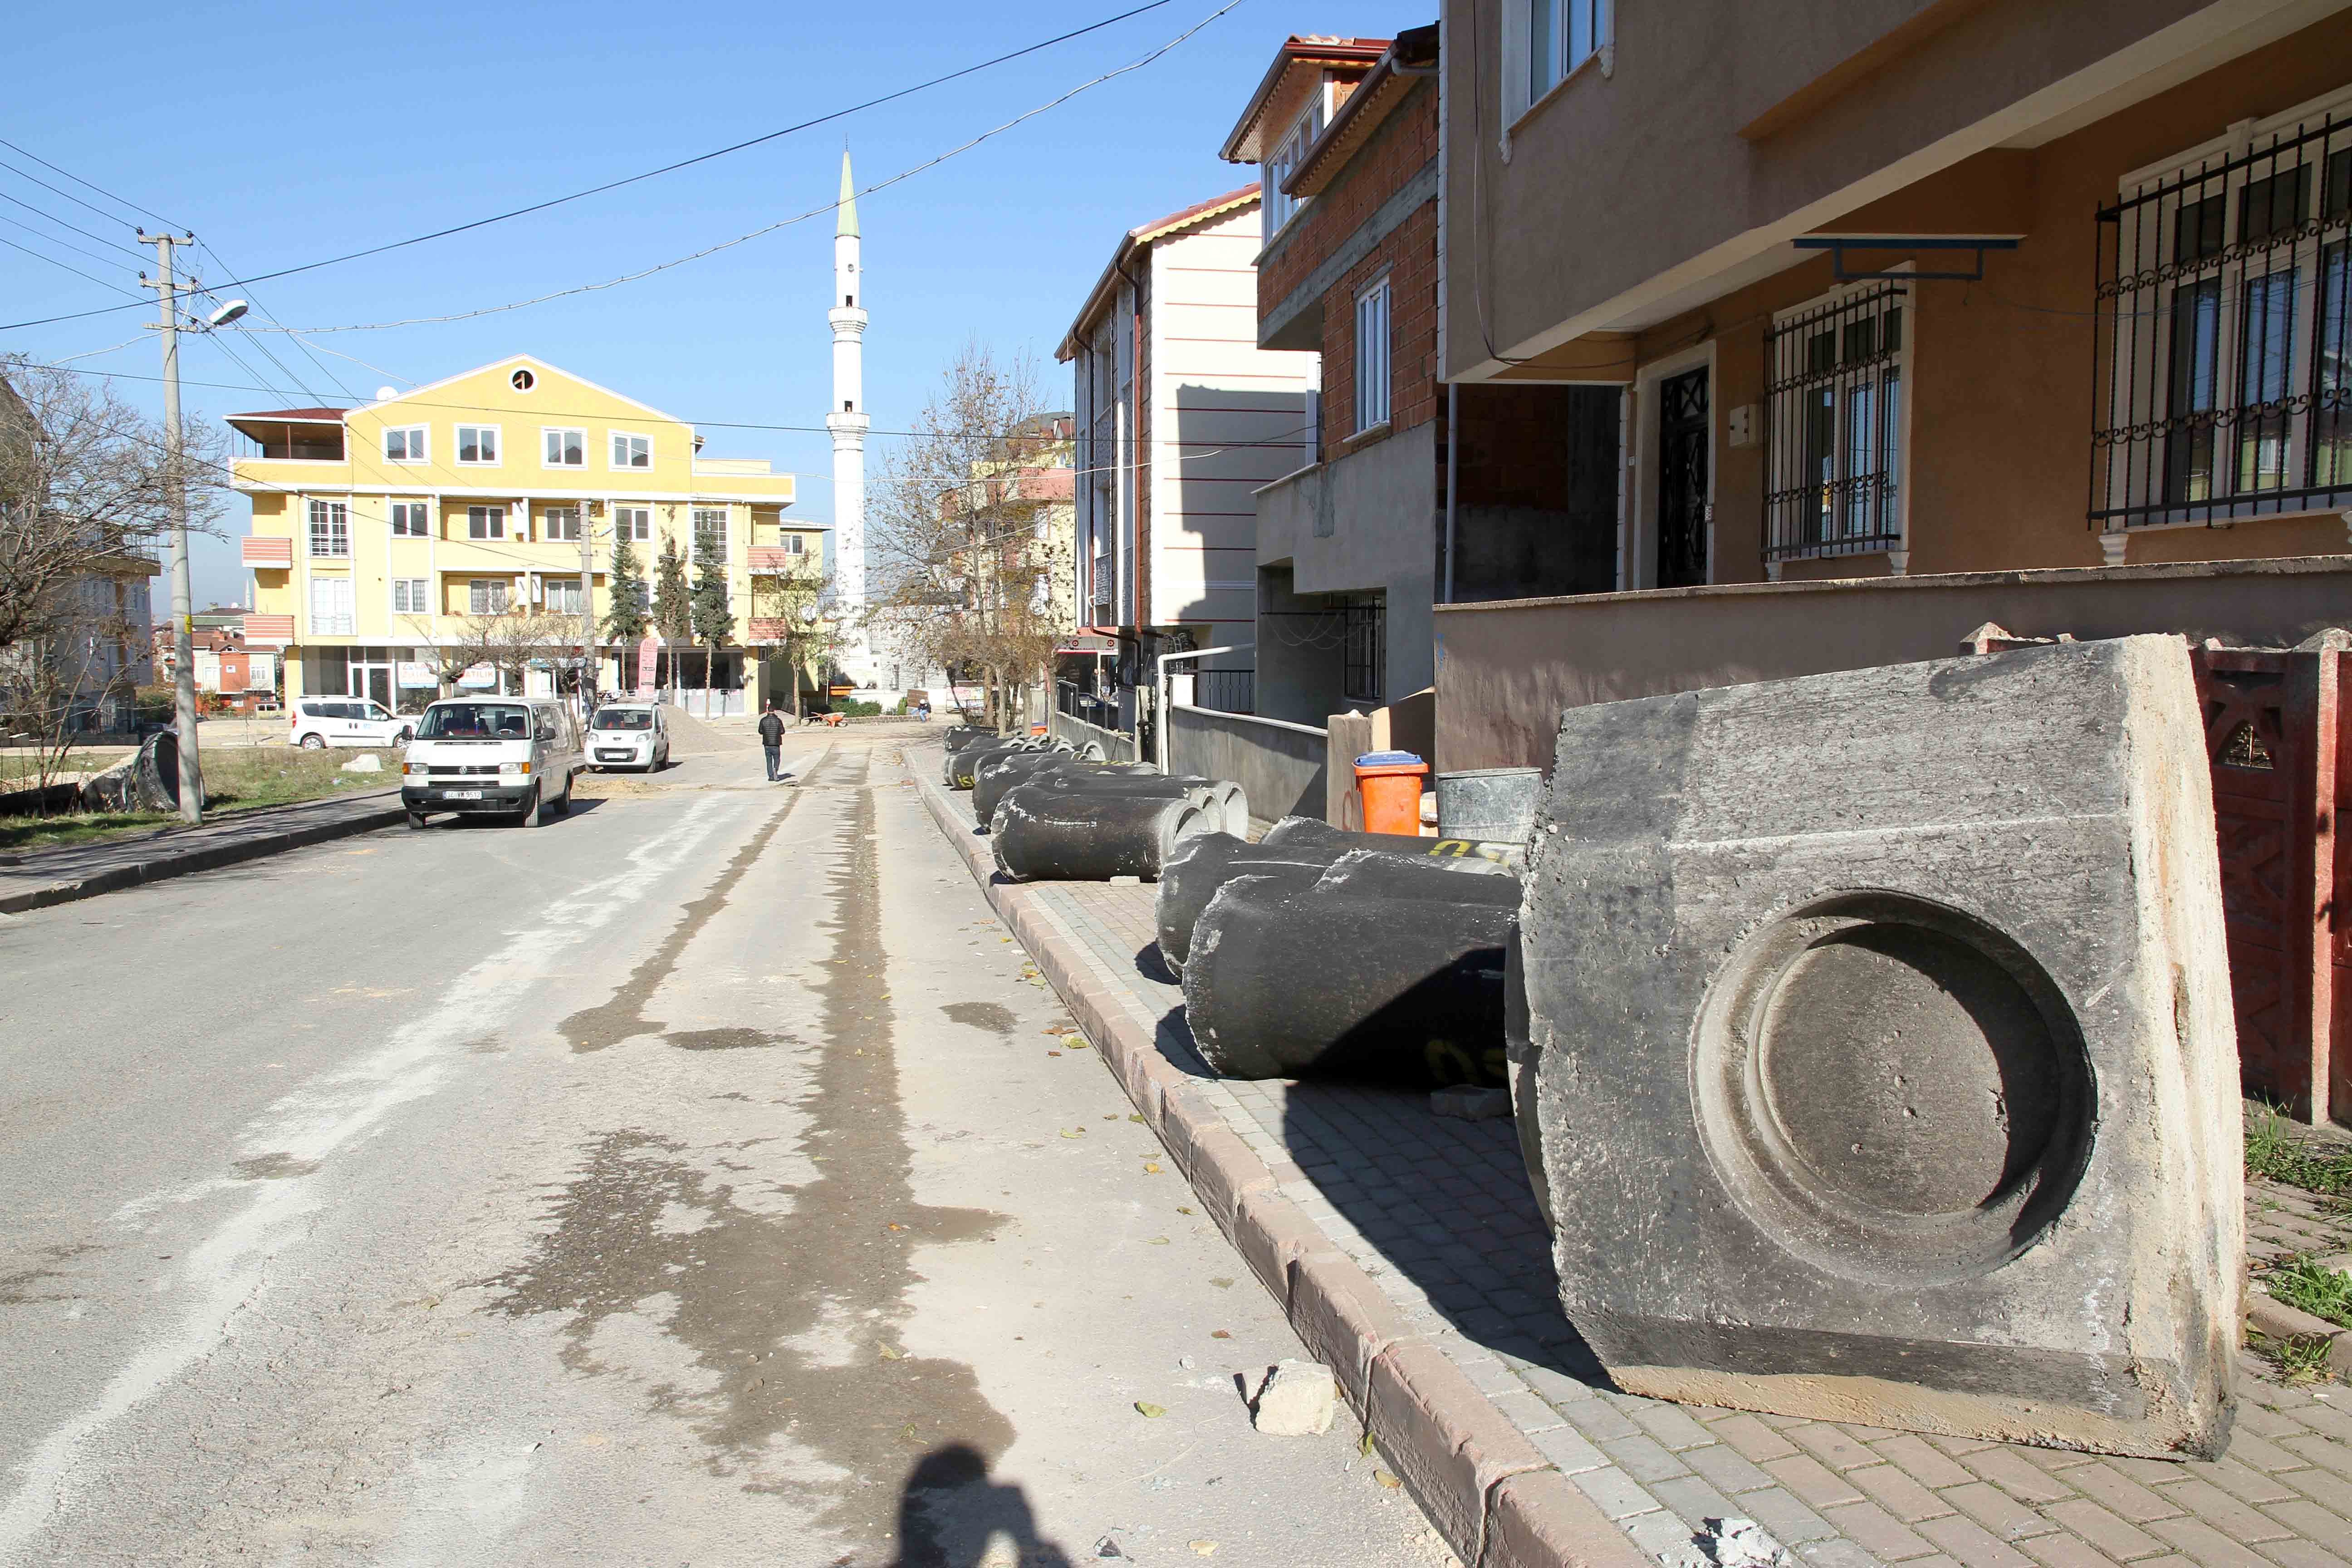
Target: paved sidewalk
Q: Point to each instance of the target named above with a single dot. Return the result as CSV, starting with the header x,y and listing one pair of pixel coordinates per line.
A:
x,y
47,877
1437,1212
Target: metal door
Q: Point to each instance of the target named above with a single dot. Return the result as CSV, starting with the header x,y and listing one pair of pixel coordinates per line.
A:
x,y
1684,437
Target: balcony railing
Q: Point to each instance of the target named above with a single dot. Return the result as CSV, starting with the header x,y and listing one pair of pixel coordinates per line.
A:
x,y
1099,711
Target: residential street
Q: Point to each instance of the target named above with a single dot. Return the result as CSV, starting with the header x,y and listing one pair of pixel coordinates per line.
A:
x,y
693,1180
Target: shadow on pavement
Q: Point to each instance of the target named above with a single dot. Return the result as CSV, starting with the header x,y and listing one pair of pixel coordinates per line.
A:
x,y
950,1515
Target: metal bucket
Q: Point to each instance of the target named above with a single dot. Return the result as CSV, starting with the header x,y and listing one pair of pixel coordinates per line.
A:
x,y
1496,804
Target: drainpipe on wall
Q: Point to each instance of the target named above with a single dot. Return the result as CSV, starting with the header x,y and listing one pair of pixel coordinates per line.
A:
x,y
1453,466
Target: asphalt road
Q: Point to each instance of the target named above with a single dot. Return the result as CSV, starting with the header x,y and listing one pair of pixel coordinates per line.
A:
x,y
696,1180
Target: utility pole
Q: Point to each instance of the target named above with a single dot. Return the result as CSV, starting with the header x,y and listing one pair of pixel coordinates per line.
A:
x,y
184,609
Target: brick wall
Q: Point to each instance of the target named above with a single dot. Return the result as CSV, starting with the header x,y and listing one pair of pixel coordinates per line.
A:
x,y
1408,254
1405,142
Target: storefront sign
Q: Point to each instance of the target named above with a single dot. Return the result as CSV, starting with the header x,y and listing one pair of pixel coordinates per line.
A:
x,y
647,652
482,678
413,674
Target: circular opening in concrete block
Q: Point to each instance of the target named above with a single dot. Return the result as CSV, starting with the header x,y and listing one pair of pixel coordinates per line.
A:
x,y
1892,1089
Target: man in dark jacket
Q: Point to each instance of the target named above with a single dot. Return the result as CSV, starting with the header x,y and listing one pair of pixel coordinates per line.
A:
x,y
771,737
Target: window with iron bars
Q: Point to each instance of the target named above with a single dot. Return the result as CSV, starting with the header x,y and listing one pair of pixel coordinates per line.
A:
x,y
1834,425
1364,648
2224,317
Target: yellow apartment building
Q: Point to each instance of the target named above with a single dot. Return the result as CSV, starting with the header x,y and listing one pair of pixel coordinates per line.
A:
x,y
377,530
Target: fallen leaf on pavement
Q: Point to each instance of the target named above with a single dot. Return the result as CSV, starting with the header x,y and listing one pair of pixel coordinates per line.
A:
x,y
1134,1117
1365,1446
891,1353
1205,1548
1159,1241
1075,1133
1154,1412
1151,1169
1386,1479
1182,1209
1219,1334
1222,1284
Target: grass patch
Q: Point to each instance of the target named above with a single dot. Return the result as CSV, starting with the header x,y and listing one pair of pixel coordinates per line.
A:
x,y
23,769
2297,1358
2303,1284
244,778
2276,1150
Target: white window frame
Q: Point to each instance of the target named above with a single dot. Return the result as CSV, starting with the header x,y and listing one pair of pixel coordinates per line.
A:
x,y
330,520
1375,355
551,434
497,434
633,523
1528,26
411,519
1289,153
412,595
795,545
415,445
337,620
495,593
559,524
485,522
569,586
695,530
612,451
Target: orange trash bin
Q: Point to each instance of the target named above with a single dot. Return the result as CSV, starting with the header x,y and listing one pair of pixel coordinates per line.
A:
x,y
1388,783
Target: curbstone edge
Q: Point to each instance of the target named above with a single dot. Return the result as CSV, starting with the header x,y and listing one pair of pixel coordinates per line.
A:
x,y
1540,1520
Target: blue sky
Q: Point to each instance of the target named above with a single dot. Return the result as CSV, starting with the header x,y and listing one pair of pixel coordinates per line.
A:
x,y
284,134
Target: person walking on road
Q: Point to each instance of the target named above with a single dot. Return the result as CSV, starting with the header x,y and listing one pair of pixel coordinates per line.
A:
x,y
771,737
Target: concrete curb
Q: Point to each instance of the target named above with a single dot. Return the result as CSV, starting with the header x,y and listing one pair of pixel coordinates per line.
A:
x,y
209,857
1493,1496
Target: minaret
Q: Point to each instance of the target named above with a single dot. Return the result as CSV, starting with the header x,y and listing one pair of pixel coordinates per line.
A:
x,y
848,420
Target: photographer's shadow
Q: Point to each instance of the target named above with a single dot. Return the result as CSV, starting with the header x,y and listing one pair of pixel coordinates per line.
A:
x,y
950,1515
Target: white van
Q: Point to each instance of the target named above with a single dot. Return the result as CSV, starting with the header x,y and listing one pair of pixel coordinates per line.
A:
x,y
321,721
629,735
510,756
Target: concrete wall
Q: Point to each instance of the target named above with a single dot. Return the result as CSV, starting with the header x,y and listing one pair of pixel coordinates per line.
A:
x,y
1507,670
1362,523
1279,767
1722,127
1117,747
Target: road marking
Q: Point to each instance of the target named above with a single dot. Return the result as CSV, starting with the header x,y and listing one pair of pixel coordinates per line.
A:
x,y
230,1268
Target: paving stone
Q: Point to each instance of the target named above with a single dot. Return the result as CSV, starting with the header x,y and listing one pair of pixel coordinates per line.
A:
x,y
1528,1411
2062,1550
1664,1534
1894,1490
2020,1476
2206,1545
1751,1438
2118,1538
2217,1508
1694,1500
2313,1522
2242,1481
1645,1459
1601,1421
2264,1422
2295,1553
1671,1426
2326,1487
1835,1554
1928,1465
1813,1481
2319,1450
2258,1453
1615,1492
1725,1467
1828,1444
1972,1542
2324,1418
1569,1450
1879,1531
2103,1483
1779,1511
1997,1510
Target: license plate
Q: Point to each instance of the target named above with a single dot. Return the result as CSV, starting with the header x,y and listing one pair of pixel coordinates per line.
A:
x,y
461,794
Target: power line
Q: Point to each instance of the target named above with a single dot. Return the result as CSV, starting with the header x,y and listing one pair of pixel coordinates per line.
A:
x,y
53,239
61,222
77,272
78,180
649,173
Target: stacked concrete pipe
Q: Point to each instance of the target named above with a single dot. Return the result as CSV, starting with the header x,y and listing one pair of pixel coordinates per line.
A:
x,y
1095,834
1377,966
1006,771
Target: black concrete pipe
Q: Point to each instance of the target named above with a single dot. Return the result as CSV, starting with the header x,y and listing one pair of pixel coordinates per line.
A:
x,y
1203,865
1004,772
1464,854
1283,983
1157,787
965,765
1229,803
1091,837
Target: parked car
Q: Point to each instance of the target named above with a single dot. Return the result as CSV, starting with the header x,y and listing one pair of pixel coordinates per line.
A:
x,y
321,721
629,735
509,756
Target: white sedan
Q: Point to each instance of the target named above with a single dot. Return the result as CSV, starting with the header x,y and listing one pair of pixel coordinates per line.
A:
x,y
628,735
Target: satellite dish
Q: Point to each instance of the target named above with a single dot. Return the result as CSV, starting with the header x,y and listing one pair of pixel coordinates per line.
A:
x,y
385,395
228,313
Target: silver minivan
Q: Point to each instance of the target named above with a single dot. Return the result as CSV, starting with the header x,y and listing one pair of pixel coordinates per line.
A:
x,y
510,756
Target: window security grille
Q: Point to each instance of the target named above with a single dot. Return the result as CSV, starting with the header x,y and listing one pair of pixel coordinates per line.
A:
x,y
1364,649
2223,336
710,531
1833,410
331,529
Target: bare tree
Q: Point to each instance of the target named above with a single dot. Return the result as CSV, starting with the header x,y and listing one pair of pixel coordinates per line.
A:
x,y
964,561
86,485
512,640
796,602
